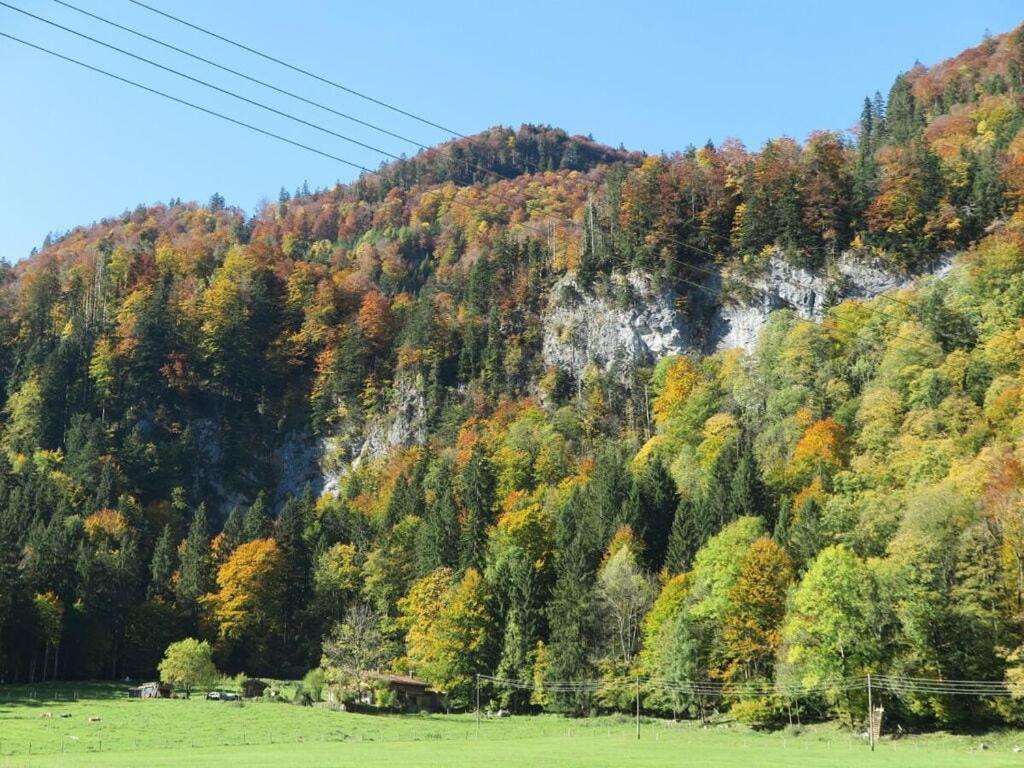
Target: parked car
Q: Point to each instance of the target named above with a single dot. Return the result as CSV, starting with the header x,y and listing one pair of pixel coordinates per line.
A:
x,y
230,697
213,696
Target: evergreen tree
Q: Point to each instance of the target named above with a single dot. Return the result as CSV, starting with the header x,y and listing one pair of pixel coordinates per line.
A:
x,y
687,534
162,566
659,501
903,118
295,581
522,631
747,494
571,618
476,490
233,532
258,522
195,575
437,542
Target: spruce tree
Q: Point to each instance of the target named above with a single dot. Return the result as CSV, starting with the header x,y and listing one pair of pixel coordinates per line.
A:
x,y
476,490
658,503
571,618
747,495
296,586
679,552
162,566
437,541
196,575
258,522
233,532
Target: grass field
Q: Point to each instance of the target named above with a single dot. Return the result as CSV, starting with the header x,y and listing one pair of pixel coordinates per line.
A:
x,y
202,733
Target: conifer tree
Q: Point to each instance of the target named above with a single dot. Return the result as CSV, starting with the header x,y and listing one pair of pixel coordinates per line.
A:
x,y
295,576
572,626
162,566
195,575
258,522
476,490
437,542
658,503
233,532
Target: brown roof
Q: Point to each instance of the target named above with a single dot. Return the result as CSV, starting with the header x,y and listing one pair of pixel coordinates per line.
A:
x,y
401,679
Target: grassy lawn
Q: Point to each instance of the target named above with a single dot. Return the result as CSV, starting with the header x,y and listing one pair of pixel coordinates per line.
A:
x,y
200,733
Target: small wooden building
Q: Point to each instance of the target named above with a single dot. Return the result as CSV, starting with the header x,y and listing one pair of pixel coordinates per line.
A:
x,y
150,690
253,688
412,694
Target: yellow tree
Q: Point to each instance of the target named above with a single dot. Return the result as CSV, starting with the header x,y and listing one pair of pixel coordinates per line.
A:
x,y
448,631
751,631
248,590
819,453
680,379
419,611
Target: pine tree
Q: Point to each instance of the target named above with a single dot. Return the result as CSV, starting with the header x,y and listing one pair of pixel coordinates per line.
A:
x,y
747,494
295,582
658,503
680,550
162,566
572,626
476,490
233,532
258,522
195,576
903,119
437,542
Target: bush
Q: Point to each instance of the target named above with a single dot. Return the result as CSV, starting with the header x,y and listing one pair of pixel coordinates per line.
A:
x,y
313,683
757,713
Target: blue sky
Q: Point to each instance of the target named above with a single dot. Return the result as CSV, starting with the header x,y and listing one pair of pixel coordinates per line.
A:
x,y
75,146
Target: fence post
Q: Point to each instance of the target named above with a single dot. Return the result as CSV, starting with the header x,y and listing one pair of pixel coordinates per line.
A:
x,y
871,717
638,707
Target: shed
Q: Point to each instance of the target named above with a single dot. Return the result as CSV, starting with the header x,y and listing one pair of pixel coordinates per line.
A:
x,y
412,694
253,687
152,690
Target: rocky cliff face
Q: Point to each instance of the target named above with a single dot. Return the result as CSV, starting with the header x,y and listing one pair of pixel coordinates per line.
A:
x,y
628,323
617,325
783,286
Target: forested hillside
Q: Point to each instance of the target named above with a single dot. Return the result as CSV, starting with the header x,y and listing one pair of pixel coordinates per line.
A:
x,y
482,405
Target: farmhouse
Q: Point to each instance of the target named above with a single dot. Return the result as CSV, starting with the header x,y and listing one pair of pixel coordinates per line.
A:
x,y
253,688
150,691
412,694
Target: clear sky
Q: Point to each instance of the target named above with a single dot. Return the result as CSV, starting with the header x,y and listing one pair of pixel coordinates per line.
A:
x,y
652,75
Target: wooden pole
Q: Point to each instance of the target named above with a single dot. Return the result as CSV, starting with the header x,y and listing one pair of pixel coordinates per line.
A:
x,y
638,707
478,705
871,717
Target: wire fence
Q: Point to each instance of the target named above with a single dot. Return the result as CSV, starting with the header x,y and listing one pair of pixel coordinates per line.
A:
x,y
897,685
894,686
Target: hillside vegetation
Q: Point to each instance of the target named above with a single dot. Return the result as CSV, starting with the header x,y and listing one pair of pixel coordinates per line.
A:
x,y
257,430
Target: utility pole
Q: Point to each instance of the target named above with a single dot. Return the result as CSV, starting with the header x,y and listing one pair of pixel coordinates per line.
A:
x,y
638,707
871,717
478,705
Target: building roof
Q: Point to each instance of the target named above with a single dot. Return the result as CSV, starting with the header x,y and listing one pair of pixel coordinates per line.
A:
x,y
400,679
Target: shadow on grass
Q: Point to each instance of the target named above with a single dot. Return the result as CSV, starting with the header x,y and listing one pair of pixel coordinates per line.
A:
x,y
46,694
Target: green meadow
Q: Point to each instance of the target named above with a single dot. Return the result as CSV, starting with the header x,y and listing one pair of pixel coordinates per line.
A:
x,y
197,732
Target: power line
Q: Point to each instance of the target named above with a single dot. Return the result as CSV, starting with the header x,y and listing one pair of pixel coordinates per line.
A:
x,y
243,75
454,202
187,103
298,69
217,88
277,89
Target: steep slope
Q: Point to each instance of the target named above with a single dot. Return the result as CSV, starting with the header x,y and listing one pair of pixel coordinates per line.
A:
x,y
522,365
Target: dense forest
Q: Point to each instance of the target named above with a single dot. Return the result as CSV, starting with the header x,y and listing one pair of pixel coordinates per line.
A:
x,y
846,496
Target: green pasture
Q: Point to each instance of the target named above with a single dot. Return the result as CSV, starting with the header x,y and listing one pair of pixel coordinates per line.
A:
x,y
206,733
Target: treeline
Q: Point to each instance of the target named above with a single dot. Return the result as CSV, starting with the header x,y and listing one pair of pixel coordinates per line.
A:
x,y
845,498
